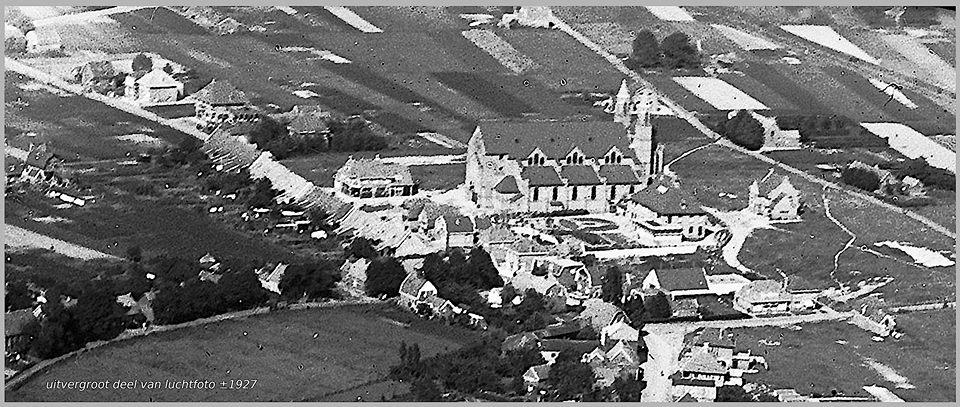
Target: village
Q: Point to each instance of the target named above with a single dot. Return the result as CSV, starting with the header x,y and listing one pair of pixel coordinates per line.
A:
x,y
584,257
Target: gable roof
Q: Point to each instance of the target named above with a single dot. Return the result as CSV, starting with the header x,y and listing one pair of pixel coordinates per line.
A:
x,y
158,78
221,93
599,314
521,340
616,174
539,176
579,348
458,223
365,168
667,198
15,321
412,284
579,175
508,185
715,337
555,139
682,279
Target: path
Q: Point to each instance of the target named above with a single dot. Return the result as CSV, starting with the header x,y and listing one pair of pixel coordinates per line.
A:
x,y
695,122
86,16
666,168
19,237
664,343
853,237
740,224
825,314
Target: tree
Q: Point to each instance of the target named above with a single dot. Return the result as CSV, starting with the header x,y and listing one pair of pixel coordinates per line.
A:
x,y
141,63
612,288
134,254
263,194
861,178
241,289
506,295
658,307
57,334
424,390
634,308
628,390
481,271
646,50
362,247
732,393
588,333
98,314
569,379
743,130
678,52
17,296
517,361
384,276
313,280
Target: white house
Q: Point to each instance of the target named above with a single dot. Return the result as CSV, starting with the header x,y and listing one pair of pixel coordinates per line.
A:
x,y
776,201
155,86
666,212
414,290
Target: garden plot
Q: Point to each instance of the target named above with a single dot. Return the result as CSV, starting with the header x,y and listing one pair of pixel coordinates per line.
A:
x,y
932,65
501,50
719,94
912,144
670,13
353,19
920,255
785,87
827,37
765,95
829,92
745,40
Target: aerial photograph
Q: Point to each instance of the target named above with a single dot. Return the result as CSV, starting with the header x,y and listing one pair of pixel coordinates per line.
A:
x,y
480,203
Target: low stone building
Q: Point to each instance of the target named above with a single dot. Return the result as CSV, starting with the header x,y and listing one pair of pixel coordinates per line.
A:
x,y
774,138
678,283
455,230
374,178
666,212
768,297
220,102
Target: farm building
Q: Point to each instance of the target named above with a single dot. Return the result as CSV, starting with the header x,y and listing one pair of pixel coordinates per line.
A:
x,y
550,166
270,279
774,201
455,230
373,178
415,290
678,283
579,282
155,86
43,39
42,167
774,138
535,375
220,102
700,375
765,297
665,211
599,314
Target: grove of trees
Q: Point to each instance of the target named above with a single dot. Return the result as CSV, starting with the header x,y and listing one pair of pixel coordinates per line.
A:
x,y
743,130
861,178
344,136
675,52
384,276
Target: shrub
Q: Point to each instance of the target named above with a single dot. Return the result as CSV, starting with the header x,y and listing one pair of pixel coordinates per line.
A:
x,y
743,130
646,50
861,178
141,62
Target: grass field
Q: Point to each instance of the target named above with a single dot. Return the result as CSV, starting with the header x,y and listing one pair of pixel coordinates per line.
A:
x,y
439,177
294,355
810,360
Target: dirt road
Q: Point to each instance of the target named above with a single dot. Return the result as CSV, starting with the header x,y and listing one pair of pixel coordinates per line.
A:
x,y
21,238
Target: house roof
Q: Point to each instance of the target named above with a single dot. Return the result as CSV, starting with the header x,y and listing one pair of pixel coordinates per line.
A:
x,y
14,166
221,93
598,313
682,279
667,198
39,156
701,362
458,223
539,371
714,337
763,291
528,245
568,345
508,185
519,341
412,284
539,176
560,329
579,175
621,331
618,174
687,398
366,168
15,321
555,139
158,78
482,222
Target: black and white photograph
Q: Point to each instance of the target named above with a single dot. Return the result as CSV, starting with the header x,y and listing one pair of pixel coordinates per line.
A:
x,y
465,203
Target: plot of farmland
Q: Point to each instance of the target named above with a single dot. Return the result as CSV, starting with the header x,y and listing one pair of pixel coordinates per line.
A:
x,y
353,19
827,37
158,20
829,92
670,13
932,65
294,355
501,50
746,41
882,101
565,64
913,144
486,93
719,94
678,94
770,98
409,18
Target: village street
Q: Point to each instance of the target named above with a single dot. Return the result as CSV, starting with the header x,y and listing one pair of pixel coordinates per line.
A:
x,y
17,237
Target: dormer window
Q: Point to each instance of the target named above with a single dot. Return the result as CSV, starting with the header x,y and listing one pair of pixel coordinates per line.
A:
x,y
536,159
575,157
613,157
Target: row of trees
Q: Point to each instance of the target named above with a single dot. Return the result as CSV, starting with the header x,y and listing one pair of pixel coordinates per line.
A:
x,y
343,136
862,178
96,316
675,52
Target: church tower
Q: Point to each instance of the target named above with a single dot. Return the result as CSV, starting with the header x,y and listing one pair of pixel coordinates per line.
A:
x,y
621,105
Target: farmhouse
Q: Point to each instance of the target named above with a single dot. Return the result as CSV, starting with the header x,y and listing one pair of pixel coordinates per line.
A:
x,y
155,86
700,375
678,283
774,138
415,290
220,102
42,167
455,231
776,201
535,375
666,212
373,178
550,166
766,297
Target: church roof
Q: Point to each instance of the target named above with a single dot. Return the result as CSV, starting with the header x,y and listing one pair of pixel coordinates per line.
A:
x,y
619,174
541,176
667,198
579,175
518,140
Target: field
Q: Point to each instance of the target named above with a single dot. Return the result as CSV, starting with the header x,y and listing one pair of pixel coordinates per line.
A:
x,y
74,126
810,360
829,38
312,354
719,94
